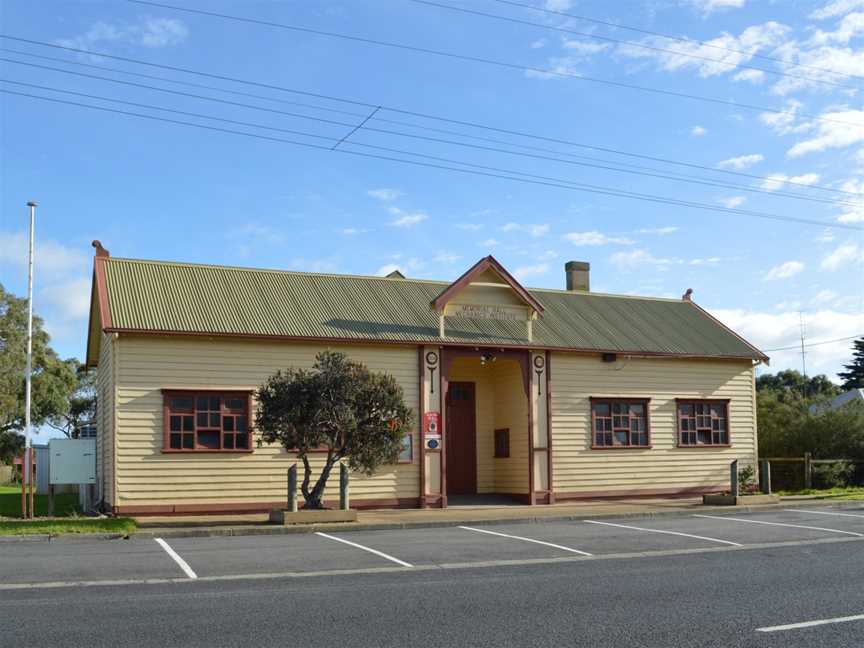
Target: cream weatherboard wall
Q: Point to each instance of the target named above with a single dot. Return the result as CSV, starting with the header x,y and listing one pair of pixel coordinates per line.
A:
x,y
106,398
148,479
579,470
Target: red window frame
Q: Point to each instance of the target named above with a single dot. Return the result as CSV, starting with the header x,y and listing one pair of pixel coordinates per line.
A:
x,y
612,423
706,425
209,419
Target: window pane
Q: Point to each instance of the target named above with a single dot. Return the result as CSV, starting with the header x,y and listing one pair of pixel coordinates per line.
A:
x,y
175,423
202,419
174,441
188,441
228,441
622,438
215,420
236,404
228,423
241,423
637,409
209,440
686,409
188,424
242,441
601,409
635,424
214,402
201,403
703,436
180,404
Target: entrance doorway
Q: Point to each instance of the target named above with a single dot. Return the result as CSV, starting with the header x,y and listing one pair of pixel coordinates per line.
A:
x,y
460,429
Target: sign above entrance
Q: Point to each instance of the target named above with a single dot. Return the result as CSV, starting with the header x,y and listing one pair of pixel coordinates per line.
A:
x,y
485,311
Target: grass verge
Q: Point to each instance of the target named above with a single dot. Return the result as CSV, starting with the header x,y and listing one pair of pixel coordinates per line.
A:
x,y
10,503
66,526
851,493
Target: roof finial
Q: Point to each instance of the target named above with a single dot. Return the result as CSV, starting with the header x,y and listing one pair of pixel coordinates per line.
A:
x,y
686,296
100,251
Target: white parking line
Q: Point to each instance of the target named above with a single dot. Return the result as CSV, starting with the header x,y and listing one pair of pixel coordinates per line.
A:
x,y
810,624
782,524
825,513
540,542
369,549
182,563
677,533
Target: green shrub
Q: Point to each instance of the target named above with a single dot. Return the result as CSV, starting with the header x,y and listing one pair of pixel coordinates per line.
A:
x,y
834,475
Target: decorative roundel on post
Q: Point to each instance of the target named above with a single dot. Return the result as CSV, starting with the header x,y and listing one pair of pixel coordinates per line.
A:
x,y
432,444
539,362
431,358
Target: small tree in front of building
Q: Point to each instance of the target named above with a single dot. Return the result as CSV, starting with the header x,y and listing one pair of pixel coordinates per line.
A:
x,y
338,409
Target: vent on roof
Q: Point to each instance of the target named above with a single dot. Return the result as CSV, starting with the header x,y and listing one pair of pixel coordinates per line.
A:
x,y
395,275
578,274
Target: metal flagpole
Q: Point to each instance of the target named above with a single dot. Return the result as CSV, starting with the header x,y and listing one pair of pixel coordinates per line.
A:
x,y
28,450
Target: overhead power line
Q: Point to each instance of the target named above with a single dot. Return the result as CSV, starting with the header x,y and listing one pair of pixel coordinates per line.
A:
x,y
679,39
821,342
439,140
421,115
446,164
503,64
636,44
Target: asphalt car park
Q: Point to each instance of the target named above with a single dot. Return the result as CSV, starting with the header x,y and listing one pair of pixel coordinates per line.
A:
x,y
139,559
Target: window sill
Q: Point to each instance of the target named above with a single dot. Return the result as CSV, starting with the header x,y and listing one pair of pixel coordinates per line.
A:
x,y
704,446
621,447
204,451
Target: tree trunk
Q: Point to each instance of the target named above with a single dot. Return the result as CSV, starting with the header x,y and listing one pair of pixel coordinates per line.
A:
x,y
313,497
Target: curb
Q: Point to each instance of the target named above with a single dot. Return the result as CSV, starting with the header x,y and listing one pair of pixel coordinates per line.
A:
x,y
228,531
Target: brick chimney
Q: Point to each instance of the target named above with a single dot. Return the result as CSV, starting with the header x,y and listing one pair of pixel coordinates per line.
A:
x,y
578,273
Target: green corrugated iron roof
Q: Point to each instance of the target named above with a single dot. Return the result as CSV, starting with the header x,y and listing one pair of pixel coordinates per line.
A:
x,y
155,296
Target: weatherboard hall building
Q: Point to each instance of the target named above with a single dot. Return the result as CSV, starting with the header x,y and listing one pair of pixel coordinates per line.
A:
x,y
537,395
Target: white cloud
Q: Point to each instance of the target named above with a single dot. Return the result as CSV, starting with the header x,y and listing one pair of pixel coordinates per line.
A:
x,y
698,131
752,76
52,260
714,57
827,236
849,27
741,162
70,298
831,134
775,181
638,259
660,231
707,7
824,297
471,227
148,32
733,201
406,219
405,267
784,121
836,8
538,44
326,265
446,257
534,230
784,270
853,213
384,195
523,272
351,231
845,254
776,330
491,242
595,238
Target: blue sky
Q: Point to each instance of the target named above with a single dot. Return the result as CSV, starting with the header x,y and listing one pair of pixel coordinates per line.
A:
x,y
164,191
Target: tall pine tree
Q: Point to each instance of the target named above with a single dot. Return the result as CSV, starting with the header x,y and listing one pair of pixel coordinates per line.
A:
x,y
854,377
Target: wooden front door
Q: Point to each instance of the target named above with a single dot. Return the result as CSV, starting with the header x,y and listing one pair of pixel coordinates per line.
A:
x,y
461,441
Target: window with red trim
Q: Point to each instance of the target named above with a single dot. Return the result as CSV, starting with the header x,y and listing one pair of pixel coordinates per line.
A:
x,y
703,423
620,423
207,422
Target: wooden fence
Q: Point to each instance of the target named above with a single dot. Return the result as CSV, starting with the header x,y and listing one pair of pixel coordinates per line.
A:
x,y
789,481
